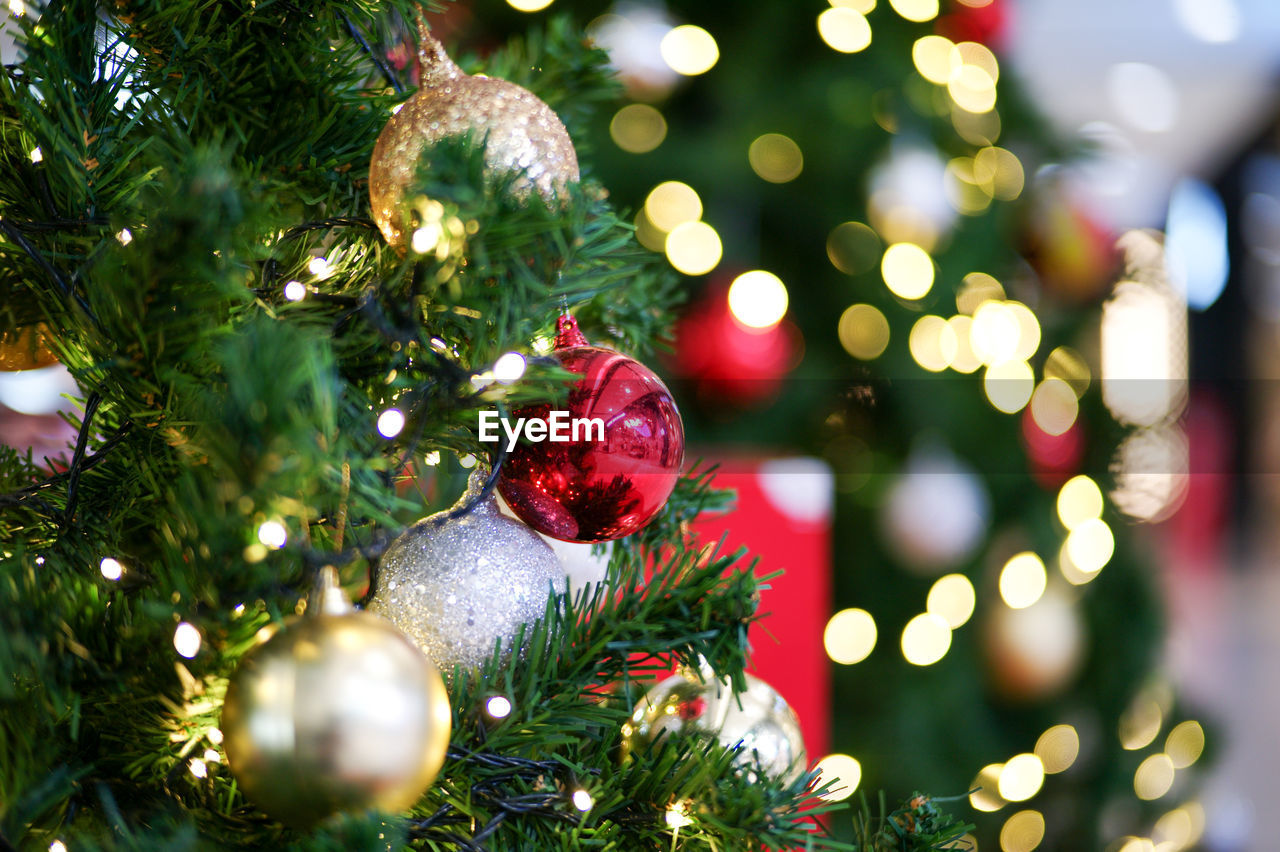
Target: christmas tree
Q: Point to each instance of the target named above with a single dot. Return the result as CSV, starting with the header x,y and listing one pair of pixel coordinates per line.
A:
x,y
284,333
887,267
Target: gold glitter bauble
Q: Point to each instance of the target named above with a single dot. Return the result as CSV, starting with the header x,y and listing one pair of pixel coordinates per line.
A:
x,y
459,586
521,134
25,349
758,721
336,712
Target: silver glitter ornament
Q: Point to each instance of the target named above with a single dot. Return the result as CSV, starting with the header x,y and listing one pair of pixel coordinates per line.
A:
x,y
456,586
520,132
757,720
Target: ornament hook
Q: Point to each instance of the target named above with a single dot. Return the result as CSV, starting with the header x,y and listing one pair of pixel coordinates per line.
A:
x,y
434,65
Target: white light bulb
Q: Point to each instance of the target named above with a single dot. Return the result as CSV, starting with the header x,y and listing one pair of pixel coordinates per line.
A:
x,y
273,534
509,368
110,568
186,640
390,422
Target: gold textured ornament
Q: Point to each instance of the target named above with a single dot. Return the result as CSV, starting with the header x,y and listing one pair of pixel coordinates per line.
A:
x,y
757,721
521,134
337,711
25,349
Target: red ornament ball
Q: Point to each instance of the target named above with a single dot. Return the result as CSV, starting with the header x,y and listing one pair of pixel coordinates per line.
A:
x,y
594,488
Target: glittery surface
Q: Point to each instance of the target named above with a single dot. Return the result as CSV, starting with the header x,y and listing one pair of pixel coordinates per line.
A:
x,y
764,725
457,586
522,135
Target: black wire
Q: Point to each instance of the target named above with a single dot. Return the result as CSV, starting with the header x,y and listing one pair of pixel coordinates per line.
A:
x,y
332,222
77,457
11,231
29,492
378,60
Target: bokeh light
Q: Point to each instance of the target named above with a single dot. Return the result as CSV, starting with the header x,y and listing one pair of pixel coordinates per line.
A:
x,y
672,203
985,796
1185,743
1023,580
1140,723
975,289
1028,330
933,56
1090,545
863,6
925,640
648,235
844,29
1175,830
932,343
1079,500
775,158
850,636
758,299
853,247
1054,407
1058,748
994,333
965,360
689,50
916,10
693,248
1068,365
1009,385
843,772
638,128
863,331
1021,778
999,173
952,599
972,89
907,270
1022,832
1153,777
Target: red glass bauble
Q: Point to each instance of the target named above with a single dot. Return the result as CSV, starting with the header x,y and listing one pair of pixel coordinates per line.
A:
x,y
591,489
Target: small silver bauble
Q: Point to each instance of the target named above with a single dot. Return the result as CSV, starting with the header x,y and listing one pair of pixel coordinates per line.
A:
x,y
459,586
